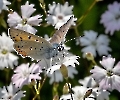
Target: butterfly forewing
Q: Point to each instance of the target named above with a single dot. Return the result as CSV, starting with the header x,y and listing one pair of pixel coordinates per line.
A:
x,y
59,35
19,35
28,44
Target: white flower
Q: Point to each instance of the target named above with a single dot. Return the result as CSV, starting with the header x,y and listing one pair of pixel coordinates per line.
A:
x,y
93,43
54,63
7,59
26,22
111,18
59,14
3,5
25,74
57,76
87,82
79,93
63,57
99,94
108,76
11,93
66,97
68,60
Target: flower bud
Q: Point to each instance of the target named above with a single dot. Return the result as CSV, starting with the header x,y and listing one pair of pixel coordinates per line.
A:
x,y
56,97
89,56
64,71
88,93
65,88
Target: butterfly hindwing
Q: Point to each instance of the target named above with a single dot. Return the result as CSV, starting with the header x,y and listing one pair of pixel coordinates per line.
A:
x,y
59,35
31,48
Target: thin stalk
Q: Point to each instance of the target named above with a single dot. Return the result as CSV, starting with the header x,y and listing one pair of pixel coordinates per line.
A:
x,y
43,82
39,88
12,4
80,20
63,1
76,31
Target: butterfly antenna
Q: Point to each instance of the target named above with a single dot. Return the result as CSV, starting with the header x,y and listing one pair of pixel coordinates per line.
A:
x,y
73,39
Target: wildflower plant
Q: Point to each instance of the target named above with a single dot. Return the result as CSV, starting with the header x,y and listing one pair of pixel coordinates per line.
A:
x,y
78,59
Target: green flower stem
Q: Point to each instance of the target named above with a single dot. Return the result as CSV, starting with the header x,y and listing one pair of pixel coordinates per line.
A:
x,y
51,34
43,6
76,31
40,86
35,97
7,74
12,4
94,62
77,35
37,92
55,87
63,1
80,20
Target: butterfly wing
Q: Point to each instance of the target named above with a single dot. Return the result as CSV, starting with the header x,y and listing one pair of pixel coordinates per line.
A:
x,y
19,35
59,35
27,44
31,49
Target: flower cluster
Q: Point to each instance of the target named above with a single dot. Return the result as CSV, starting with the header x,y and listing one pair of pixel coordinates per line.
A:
x,y
57,58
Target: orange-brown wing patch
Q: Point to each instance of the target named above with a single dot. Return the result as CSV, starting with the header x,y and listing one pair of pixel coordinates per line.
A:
x,y
21,52
19,35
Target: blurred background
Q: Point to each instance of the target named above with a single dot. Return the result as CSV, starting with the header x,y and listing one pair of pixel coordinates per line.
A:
x,y
90,22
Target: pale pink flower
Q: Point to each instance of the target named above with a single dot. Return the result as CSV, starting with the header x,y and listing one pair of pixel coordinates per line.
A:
x,y
25,74
111,18
107,77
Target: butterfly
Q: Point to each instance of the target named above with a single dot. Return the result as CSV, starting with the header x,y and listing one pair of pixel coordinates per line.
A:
x,y
29,45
